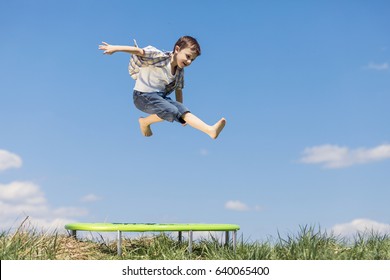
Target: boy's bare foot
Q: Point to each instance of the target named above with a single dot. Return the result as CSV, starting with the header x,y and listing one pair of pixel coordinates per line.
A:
x,y
217,128
145,128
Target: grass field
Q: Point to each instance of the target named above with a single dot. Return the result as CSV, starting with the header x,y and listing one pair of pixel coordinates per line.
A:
x,y
308,244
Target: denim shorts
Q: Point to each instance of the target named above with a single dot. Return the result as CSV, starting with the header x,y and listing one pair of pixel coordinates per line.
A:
x,y
160,104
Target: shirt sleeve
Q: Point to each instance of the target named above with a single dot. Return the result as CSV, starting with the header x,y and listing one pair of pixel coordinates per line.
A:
x,y
152,56
180,79
150,53
180,84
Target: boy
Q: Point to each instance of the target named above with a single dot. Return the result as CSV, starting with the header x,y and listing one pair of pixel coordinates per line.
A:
x,y
157,74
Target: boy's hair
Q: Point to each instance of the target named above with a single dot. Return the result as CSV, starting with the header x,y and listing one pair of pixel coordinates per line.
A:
x,y
188,42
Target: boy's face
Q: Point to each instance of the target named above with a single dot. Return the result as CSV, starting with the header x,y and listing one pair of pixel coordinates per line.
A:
x,y
184,57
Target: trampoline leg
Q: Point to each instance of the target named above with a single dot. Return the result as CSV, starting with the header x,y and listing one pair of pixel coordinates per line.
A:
x,y
190,241
234,240
226,238
180,236
119,246
73,233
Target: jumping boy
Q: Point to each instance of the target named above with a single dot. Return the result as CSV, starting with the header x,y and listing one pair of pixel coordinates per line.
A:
x,y
158,74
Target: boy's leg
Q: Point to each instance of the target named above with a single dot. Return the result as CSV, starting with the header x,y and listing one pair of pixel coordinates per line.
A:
x,y
154,104
211,130
170,110
144,124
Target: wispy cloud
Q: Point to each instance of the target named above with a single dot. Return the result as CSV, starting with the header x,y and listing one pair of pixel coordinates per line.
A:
x,y
90,198
204,152
378,66
237,205
9,160
333,156
259,208
25,192
361,226
20,199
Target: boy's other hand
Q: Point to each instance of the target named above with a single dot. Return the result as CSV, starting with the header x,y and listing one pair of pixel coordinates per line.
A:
x,y
107,48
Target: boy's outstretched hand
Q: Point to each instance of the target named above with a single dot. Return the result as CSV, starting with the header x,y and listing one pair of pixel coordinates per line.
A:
x,y
110,49
107,48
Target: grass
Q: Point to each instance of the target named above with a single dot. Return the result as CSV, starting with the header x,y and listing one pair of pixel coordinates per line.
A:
x,y
309,244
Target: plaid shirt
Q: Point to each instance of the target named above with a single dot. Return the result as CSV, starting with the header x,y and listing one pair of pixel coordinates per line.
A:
x,y
156,58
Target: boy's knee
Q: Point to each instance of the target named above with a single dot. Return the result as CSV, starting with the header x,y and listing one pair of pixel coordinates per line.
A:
x,y
181,118
173,114
169,114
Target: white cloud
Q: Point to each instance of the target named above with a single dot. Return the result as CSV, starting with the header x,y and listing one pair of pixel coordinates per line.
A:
x,y
11,210
333,156
9,160
26,192
90,198
259,208
361,226
69,212
21,199
45,224
236,205
378,66
204,152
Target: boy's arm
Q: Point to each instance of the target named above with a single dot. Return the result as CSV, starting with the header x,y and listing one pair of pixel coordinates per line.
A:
x,y
110,49
179,98
179,95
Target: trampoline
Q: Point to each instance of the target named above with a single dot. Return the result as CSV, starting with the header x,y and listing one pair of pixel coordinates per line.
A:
x,y
153,227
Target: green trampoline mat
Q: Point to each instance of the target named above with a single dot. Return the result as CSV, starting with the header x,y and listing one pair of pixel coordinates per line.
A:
x,y
139,227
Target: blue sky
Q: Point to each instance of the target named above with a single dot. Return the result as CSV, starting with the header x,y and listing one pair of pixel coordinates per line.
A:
x,y
304,86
